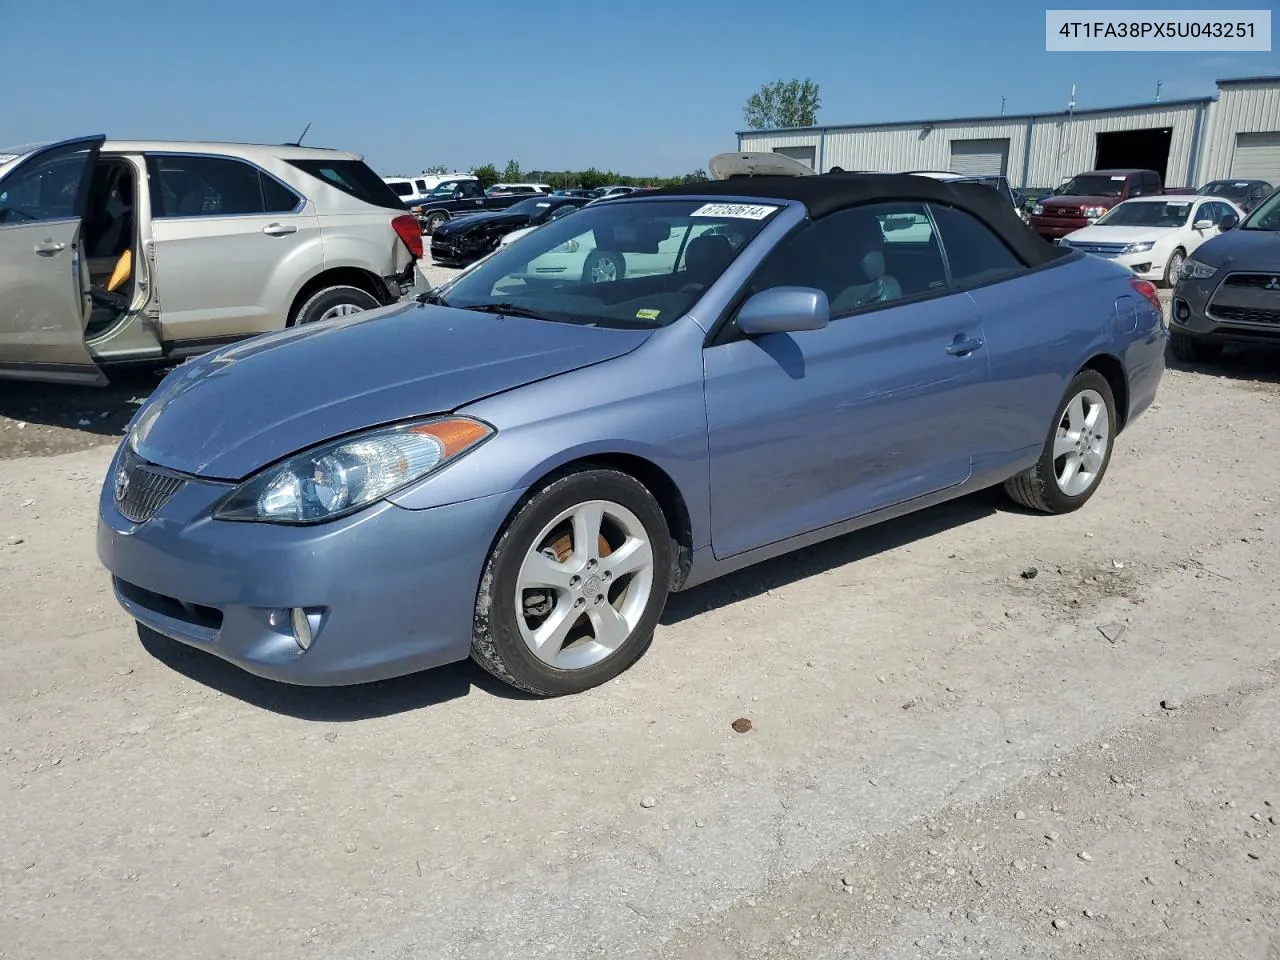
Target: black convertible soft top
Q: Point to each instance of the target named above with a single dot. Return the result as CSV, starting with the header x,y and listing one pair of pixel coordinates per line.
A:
x,y
826,193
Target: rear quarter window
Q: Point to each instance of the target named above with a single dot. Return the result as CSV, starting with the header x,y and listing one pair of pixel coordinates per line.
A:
x,y
352,177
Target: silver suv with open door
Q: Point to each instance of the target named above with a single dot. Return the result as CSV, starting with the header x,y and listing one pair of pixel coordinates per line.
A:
x,y
121,252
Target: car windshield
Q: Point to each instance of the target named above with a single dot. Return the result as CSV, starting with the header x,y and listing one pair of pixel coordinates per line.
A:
x,y
624,264
445,189
1094,185
1266,216
531,207
1147,214
1231,189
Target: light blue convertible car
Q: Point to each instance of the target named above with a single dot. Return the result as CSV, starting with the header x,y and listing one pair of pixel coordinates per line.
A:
x,y
521,467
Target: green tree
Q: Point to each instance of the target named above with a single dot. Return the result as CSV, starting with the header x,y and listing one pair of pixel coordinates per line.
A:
x,y
487,174
783,104
512,173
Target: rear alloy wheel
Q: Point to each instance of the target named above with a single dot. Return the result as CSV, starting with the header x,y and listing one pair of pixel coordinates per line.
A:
x,y
1173,268
574,587
1193,349
434,222
331,303
603,266
1076,452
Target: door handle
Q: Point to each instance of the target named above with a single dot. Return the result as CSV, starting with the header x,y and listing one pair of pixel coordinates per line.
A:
x,y
279,229
962,346
50,247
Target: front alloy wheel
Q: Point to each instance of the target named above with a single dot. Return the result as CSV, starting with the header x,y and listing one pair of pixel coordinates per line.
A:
x,y
574,586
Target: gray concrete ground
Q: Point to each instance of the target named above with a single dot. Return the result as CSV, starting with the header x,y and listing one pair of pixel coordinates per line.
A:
x,y
950,756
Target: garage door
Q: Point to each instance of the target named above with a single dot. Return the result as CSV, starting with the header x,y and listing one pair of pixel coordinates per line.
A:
x,y
803,154
1257,157
980,158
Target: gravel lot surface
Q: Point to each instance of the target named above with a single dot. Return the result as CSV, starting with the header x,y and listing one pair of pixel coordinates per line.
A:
x,y
974,733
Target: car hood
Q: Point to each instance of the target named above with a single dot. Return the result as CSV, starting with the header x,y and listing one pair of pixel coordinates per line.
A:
x,y
1257,250
1064,200
464,223
242,407
1101,233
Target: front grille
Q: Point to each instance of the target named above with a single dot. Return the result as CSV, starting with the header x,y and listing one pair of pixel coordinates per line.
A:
x,y
1101,249
1244,315
141,489
1254,281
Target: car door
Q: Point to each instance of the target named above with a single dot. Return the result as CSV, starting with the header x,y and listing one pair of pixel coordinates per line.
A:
x,y
44,304
229,239
880,407
469,195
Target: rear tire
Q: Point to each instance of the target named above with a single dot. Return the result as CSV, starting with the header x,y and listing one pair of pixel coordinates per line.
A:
x,y
574,585
1076,452
1192,349
332,303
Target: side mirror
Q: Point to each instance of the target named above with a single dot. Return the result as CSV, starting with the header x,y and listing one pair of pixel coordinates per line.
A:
x,y
1202,225
784,310
1229,222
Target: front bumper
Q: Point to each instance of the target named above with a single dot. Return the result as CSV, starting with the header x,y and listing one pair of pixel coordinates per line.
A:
x,y
1054,227
458,250
1215,309
387,591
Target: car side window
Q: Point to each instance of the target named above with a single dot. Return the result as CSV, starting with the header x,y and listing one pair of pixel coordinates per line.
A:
x,y
192,186
45,188
861,257
470,189
974,252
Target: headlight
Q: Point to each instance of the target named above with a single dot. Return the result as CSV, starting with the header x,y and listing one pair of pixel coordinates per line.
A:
x,y
1063,242
569,246
1093,211
340,477
1195,270
1139,247
1038,209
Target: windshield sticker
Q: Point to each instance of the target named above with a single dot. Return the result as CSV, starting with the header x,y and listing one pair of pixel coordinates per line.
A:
x,y
738,211
647,314
1234,184
1117,178
544,205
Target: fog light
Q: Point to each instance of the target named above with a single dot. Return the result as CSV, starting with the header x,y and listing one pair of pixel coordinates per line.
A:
x,y
1181,312
301,627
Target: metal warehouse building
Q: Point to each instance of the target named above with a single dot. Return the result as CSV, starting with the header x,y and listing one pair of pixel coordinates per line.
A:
x,y
1233,134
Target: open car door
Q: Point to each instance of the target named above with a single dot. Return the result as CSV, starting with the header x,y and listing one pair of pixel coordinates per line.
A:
x,y
723,166
44,305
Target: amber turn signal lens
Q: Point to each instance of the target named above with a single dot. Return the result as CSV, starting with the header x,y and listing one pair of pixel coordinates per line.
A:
x,y
454,435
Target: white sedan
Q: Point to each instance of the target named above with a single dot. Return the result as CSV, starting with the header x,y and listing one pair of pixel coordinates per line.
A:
x,y
1153,236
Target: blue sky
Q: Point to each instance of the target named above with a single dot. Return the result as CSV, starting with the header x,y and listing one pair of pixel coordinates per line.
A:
x,y
650,89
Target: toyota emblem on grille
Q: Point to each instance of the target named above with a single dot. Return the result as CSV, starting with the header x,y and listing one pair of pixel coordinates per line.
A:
x,y
1273,284
121,483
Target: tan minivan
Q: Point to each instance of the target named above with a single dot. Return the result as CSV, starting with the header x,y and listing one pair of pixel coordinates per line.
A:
x,y
124,252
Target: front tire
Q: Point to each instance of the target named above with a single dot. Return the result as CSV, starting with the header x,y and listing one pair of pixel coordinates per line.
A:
x,y
434,222
1174,267
573,587
1076,452
1193,349
332,303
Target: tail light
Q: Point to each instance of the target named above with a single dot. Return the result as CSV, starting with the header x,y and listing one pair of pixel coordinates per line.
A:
x,y
1147,290
409,230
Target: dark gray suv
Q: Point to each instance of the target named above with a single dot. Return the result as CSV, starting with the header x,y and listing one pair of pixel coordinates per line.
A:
x,y
1230,290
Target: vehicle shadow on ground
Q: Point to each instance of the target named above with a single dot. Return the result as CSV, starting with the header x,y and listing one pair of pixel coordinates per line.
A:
x,y
1255,363
364,701
96,410
822,557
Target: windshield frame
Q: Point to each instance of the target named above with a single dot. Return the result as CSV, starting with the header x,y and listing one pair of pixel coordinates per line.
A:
x,y
458,292
1070,191
1268,206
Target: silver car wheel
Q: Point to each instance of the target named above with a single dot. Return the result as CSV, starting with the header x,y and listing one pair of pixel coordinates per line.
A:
x,y
341,310
604,270
584,585
1081,443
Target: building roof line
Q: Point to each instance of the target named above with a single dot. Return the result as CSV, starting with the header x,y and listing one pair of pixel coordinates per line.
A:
x,y
1231,80
1001,118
